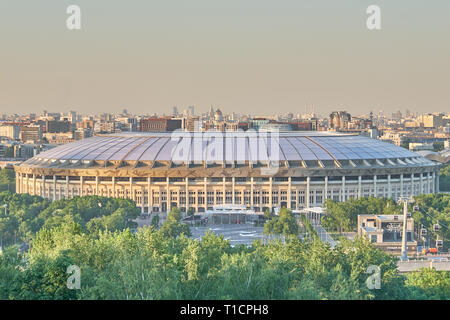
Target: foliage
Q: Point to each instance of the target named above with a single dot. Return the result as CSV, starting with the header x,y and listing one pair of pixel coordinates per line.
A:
x,y
434,284
155,221
434,208
444,178
164,263
285,224
172,226
7,180
27,214
438,146
149,265
343,216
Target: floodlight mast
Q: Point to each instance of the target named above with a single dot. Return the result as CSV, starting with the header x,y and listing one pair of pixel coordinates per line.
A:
x,y
405,200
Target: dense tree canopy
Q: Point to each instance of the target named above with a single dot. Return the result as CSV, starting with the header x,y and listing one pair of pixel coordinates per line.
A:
x,y
95,234
343,216
7,180
27,214
150,265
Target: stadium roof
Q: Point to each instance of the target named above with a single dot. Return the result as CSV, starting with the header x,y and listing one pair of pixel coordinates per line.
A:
x,y
217,147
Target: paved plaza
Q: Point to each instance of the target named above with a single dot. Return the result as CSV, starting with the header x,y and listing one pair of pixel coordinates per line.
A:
x,y
236,233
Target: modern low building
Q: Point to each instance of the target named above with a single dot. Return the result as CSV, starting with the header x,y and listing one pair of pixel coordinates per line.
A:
x,y
199,170
386,232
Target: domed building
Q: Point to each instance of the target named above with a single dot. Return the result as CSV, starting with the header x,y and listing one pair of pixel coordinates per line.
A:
x,y
218,116
199,170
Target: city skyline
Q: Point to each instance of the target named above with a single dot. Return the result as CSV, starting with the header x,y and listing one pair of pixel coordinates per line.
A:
x,y
250,57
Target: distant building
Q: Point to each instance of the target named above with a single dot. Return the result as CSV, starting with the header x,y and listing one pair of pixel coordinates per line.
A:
x,y
160,124
417,146
105,127
339,120
31,133
58,138
385,232
192,124
55,126
10,131
432,120
81,133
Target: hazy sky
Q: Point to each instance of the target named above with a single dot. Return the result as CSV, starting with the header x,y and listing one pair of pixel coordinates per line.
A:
x,y
247,56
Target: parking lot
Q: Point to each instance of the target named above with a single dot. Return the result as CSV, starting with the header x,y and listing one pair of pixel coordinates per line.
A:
x,y
235,233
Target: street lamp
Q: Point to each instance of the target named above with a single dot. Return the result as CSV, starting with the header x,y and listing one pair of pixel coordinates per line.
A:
x,y
405,201
5,206
100,209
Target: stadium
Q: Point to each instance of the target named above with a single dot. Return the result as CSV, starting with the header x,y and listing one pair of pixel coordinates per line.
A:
x,y
257,170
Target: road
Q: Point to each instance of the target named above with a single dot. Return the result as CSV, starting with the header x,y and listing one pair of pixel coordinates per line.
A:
x,y
323,234
236,233
414,265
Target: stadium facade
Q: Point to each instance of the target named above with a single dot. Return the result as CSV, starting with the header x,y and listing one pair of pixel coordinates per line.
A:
x,y
199,170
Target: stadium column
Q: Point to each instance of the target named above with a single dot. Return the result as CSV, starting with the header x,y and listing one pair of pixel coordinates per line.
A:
x,y
96,186
205,190
114,187
289,193
375,193
160,198
224,191
401,185
232,189
433,182
308,180
389,186
17,183
27,181
359,186
142,198
81,186
325,194
343,193
187,194
168,204
260,197
43,186
270,193
132,195
149,195
54,187
436,190
251,191
421,182
34,184
67,187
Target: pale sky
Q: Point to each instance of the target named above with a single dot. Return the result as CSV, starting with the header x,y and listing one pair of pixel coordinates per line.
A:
x,y
246,56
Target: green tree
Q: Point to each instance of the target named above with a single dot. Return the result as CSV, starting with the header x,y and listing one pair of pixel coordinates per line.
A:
x,y
172,226
285,224
155,221
433,284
